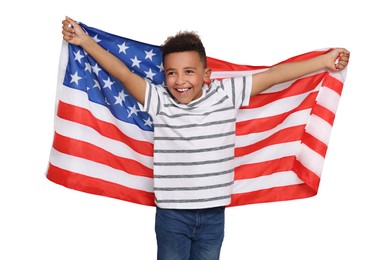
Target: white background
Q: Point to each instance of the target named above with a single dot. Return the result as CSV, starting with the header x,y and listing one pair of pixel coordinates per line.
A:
x,y
42,220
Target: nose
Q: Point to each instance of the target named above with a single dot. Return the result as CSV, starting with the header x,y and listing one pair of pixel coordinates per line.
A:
x,y
180,79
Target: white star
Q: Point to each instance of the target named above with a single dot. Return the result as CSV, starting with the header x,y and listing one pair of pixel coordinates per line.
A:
x,y
122,48
97,85
160,66
135,61
123,95
96,69
87,67
96,39
78,56
108,83
150,74
149,54
118,100
133,110
148,122
75,78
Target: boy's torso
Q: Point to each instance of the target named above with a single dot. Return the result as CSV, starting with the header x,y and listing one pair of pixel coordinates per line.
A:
x,y
194,149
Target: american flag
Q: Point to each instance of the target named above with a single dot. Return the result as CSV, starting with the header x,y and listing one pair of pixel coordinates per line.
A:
x,y
103,143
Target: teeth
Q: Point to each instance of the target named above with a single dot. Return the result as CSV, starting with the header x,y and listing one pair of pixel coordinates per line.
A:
x,y
182,89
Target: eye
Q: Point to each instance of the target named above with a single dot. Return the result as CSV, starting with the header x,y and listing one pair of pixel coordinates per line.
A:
x,y
170,73
189,71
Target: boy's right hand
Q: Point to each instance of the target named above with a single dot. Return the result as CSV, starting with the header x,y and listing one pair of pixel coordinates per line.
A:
x,y
73,32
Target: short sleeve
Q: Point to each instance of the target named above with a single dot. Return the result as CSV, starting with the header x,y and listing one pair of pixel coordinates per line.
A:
x,y
151,99
239,88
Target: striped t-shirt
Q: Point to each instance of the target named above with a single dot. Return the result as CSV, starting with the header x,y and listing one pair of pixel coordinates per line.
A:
x,y
194,143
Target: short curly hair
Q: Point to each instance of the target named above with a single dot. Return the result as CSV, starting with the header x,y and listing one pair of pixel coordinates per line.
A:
x,y
184,41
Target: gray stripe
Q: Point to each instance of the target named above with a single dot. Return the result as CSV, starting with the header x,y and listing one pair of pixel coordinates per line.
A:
x,y
196,150
222,100
148,97
193,163
243,90
188,114
187,108
158,106
193,200
180,176
175,103
233,92
197,125
194,137
195,188
204,98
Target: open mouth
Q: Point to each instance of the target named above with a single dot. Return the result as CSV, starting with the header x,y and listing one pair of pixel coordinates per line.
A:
x,y
183,91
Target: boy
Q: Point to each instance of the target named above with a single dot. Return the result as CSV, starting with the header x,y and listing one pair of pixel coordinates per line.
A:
x,y
194,133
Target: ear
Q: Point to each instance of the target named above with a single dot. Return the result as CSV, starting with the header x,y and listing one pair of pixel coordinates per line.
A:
x,y
207,74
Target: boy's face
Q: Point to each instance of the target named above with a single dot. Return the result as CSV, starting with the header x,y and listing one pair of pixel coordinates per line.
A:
x,y
185,75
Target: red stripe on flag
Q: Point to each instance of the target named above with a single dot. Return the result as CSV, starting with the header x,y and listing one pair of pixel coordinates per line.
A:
x,y
255,170
315,144
333,84
97,186
220,65
323,113
297,191
305,56
307,176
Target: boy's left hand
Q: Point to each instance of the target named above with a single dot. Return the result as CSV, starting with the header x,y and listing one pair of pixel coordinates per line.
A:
x,y
337,59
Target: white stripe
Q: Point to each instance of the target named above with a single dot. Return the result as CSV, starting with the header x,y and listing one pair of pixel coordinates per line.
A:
x,y
319,128
89,135
101,171
328,98
278,179
339,75
310,159
271,152
274,108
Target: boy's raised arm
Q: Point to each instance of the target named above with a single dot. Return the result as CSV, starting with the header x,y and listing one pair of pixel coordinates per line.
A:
x,y
293,70
74,34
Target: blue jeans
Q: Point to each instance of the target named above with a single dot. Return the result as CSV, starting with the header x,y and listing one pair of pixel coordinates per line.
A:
x,y
189,234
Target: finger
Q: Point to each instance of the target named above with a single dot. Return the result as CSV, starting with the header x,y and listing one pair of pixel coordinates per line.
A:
x,y
67,38
67,28
341,65
344,59
71,22
68,33
342,50
346,56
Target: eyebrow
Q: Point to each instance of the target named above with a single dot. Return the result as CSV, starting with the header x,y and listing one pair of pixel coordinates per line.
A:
x,y
185,68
